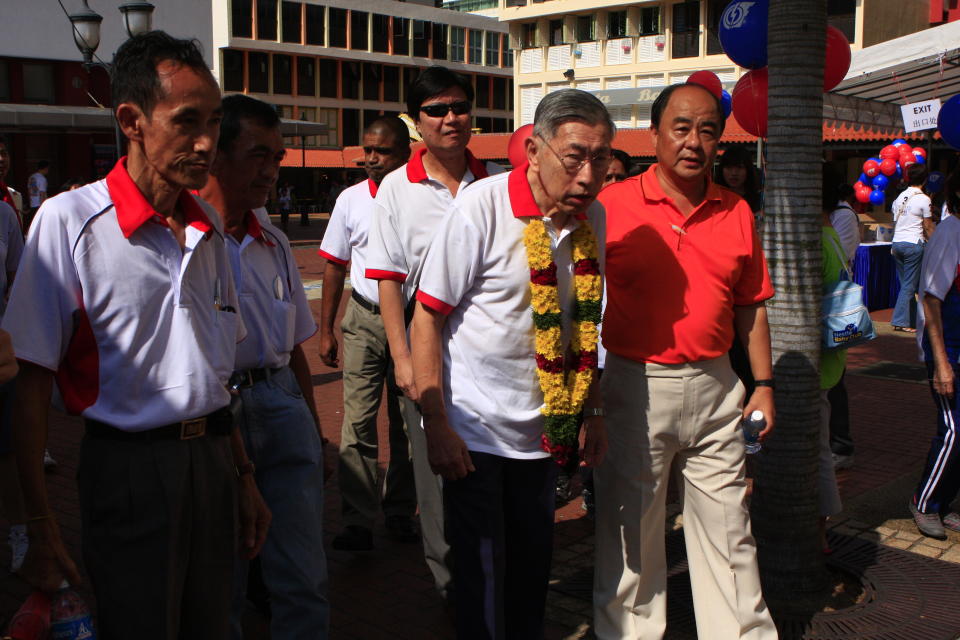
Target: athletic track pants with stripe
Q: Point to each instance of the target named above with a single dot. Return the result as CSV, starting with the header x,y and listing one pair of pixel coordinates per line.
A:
x,y
941,476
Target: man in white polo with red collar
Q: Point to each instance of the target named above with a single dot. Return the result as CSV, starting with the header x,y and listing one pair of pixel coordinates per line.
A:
x,y
504,341
125,296
366,357
410,205
278,421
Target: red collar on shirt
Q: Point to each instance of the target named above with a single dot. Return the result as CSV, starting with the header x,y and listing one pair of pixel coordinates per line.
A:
x,y
133,209
416,172
373,188
255,231
521,196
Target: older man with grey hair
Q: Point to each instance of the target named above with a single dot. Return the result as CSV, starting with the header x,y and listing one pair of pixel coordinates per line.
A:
x,y
510,285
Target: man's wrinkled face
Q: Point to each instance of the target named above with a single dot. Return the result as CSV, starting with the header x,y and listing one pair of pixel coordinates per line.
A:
x,y
573,164
249,169
449,132
381,155
686,140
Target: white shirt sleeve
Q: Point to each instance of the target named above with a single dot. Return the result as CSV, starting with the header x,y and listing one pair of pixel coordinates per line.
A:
x,y
386,259
921,206
451,263
335,245
941,258
46,294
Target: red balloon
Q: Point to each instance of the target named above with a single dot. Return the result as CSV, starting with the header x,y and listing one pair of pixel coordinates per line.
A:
x,y
517,147
863,196
709,81
837,60
920,151
859,186
750,102
888,167
871,168
906,161
890,151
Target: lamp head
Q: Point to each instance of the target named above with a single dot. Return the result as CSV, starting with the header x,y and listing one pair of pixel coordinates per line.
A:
x,y
86,30
137,17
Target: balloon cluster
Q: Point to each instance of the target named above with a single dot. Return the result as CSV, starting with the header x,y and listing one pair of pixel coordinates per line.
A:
x,y
886,170
743,35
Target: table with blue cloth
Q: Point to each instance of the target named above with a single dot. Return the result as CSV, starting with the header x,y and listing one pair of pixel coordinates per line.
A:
x,y
875,271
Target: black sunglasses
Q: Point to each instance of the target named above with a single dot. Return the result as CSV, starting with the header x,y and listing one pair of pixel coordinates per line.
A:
x,y
440,109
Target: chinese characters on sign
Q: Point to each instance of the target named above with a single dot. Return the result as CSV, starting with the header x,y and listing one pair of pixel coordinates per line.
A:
x,y
920,115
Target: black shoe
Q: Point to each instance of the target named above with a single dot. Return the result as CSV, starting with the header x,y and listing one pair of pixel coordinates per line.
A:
x,y
402,529
562,495
354,538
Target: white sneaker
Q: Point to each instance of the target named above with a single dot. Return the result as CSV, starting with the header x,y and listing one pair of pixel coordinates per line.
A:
x,y
18,541
48,461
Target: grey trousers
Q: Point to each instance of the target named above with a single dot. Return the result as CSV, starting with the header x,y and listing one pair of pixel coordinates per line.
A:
x,y
159,527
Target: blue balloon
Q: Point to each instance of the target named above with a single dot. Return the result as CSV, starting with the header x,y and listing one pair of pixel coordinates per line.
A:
x,y
948,122
935,182
877,197
920,158
898,142
743,32
880,181
726,102
899,173
865,179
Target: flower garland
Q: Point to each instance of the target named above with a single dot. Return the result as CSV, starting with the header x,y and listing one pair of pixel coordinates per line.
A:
x,y
565,382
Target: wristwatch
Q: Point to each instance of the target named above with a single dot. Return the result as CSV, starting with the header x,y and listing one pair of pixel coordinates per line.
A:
x,y
594,412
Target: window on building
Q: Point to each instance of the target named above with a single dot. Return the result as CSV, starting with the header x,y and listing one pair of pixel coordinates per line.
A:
x,y
492,56
476,47
483,123
337,36
401,36
290,21
310,115
371,81
315,23
421,38
842,14
500,125
359,30
482,91
258,72
282,74
328,117
617,24
457,44
380,38
439,41
241,18
508,58
409,75
528,35
715,9
232,70
306,76
650,21
500,93
391,83
351,127
350,86
586,28
686,29
266,19
556,32
328,78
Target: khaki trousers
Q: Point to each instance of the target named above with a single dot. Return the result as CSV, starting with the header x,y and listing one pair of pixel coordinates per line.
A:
x,y
656,413
366,369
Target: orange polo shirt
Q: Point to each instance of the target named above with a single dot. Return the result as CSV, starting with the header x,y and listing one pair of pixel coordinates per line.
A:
x,y
672,282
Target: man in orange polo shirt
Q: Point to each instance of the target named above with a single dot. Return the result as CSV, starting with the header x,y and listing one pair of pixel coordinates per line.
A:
x,y
685,270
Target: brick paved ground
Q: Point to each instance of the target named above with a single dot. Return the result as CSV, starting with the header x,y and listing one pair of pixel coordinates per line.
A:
x,y
388,593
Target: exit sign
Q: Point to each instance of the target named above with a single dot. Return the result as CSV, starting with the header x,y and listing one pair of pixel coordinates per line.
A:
x,y
920,115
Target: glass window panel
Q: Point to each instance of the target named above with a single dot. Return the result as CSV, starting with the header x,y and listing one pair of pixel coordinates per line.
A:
x,y
232,70
686,29
359,30
351,127
421,38
482,98
328,78
282,74
315,22
338,27
241,18
528,35
715,9
476,47
291,21
401,36
306,76
391,83
351,80
556,32
492,56
842,14
371,81
5,78
381,33
266,19
617,24
38,82
650,21
585,29
439,41
457,35
500,93
258,72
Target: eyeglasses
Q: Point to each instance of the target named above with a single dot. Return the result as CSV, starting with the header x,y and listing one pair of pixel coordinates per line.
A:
x,y
574,163
440,109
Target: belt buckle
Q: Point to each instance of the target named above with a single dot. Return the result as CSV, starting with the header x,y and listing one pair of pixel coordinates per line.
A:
x,y
190,429
242,379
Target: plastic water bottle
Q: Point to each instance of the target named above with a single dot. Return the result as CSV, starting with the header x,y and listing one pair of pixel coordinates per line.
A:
x,y
70,617
32,619
752,426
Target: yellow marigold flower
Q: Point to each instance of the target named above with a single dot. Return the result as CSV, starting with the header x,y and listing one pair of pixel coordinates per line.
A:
x,y
589,336
548,343
588,287
543,298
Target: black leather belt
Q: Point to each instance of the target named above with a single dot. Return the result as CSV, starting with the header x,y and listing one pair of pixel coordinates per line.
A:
x,y
218,423
249,377
363,302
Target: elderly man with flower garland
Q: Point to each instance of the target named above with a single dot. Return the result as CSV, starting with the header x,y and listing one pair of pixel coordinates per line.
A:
x,y
504,342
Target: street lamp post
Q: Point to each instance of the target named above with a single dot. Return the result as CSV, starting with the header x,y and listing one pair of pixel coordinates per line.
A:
x,y
137,19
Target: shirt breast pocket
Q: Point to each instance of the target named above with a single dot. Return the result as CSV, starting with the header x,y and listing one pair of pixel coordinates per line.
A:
x,y
225,342
284,320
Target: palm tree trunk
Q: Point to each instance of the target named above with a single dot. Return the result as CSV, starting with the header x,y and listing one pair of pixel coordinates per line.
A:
x,y
785,506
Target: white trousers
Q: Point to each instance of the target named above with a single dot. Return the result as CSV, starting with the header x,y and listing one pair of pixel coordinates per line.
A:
x,y
656,413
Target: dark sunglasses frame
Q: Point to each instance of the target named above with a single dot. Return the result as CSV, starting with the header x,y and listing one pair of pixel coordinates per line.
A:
x,y
441,109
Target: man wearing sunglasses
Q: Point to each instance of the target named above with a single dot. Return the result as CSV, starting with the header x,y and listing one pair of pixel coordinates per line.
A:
x,y
410,205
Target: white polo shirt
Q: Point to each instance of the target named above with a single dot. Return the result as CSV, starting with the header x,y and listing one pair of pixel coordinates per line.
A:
x,y
11,247
408,209
476,272
909,210
140,332
345,239
273,304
